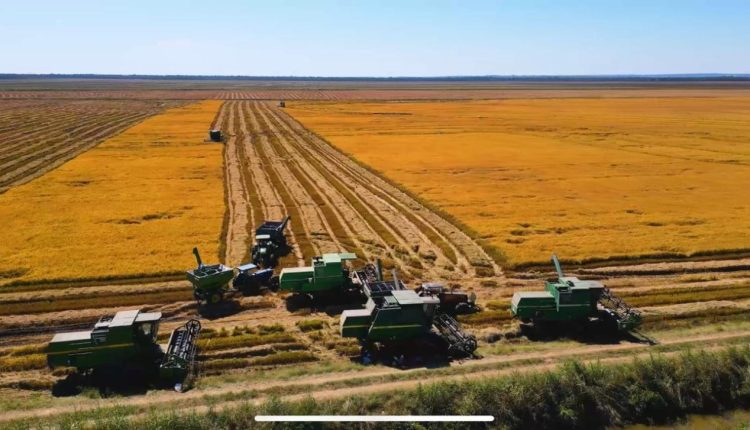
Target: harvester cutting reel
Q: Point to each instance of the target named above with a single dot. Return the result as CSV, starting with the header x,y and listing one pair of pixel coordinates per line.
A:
x,y
178,363
460,344
626,317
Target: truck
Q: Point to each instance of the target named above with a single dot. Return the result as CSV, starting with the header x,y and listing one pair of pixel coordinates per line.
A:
x,y
570,299
129,339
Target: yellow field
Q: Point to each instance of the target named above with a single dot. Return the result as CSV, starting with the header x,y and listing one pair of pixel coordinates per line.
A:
x,y
134,205
586,178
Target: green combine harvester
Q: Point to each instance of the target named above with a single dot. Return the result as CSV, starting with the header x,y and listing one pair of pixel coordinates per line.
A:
x,y
398,316
571,299
326,274
128,340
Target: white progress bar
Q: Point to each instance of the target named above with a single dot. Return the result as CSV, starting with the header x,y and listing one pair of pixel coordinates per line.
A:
x,y
375,418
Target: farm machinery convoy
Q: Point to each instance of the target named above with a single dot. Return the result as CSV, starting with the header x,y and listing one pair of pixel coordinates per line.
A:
x,y
392,314
395,323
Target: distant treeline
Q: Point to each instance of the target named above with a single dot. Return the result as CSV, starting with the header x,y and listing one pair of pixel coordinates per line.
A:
x,y
488,78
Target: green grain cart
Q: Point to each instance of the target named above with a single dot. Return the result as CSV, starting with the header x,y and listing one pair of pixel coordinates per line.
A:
x,y
326,274
571,299
127,340
210,282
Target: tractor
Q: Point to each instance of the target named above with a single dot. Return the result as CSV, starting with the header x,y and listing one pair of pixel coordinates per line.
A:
x,y
571,299
211,282
127,341
270,242
452,301
215,136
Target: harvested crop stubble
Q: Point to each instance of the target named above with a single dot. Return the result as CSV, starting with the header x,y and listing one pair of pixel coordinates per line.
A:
x,y
588,178
135,205
37,136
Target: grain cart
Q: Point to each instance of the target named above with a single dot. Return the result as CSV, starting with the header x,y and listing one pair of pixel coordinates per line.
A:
x,y
215,135
210,282
395,315
128,340
270,242
326,274
571,299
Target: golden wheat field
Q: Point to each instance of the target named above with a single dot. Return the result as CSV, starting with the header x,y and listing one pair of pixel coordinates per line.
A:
x,y
587,178
134,205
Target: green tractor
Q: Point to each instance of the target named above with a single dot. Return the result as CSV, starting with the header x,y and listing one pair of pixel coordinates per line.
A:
x,y
571,299
396,316
326,274
128,339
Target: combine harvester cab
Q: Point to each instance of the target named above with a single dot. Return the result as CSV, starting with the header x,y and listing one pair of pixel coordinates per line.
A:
x,y
270,243
210,282
396,315
128,339
326,274
571,299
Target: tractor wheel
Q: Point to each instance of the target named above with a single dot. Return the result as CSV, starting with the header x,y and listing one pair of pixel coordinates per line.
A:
x,y
215,298
273,284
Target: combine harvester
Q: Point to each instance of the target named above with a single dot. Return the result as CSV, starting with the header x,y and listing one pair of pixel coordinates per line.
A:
x,y
398,322
574,300
326,275
211,282
127,341
270,242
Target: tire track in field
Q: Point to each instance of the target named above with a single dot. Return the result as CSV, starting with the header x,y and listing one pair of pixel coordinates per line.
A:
x,y
413,248
350,220
468,251
341,217
275,170
272,205
238,201
321,233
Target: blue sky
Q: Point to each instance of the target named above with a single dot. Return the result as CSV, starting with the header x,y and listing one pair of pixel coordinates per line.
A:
x,y
375,38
